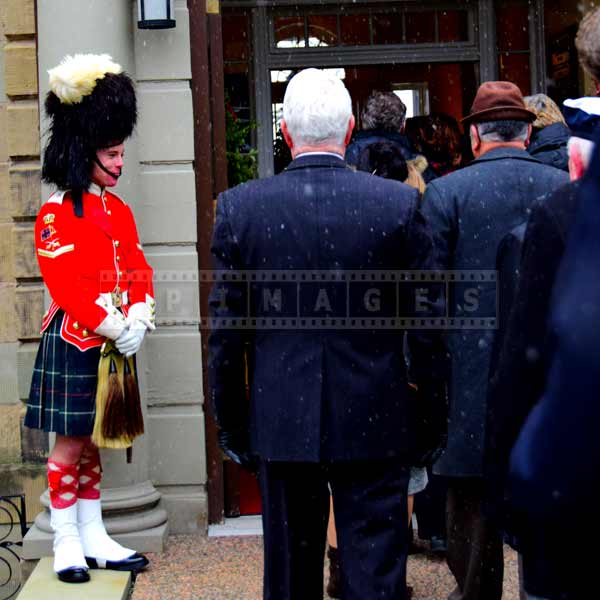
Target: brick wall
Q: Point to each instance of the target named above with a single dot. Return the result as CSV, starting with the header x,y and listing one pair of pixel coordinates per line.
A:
x,y
21,289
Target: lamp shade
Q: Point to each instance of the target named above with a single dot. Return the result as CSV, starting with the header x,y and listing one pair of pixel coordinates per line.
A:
x,y
156,14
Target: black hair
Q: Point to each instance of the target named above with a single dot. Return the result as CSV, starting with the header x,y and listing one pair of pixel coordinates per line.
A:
x,y
384,159
102,119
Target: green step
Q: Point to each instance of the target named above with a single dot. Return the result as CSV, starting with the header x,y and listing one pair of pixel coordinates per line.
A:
x,y
103,585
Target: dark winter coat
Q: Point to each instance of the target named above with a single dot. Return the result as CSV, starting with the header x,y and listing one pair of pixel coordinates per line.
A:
x,y
519,379
470,211
549,145
554,463
508,263
318,393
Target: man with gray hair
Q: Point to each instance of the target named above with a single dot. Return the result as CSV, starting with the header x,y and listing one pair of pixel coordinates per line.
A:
x,y
470,212
329,403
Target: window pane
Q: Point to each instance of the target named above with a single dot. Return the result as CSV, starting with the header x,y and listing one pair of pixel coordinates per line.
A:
x,y
512,27
289,32
420,27
453,26
322,30
355,30
235,37
515,68
387,29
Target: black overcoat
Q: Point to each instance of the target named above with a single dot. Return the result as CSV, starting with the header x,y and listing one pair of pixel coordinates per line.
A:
x,y
554,463
519,378
318,394
470,211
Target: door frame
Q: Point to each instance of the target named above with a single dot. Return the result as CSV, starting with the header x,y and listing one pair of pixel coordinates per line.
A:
x,y
480,49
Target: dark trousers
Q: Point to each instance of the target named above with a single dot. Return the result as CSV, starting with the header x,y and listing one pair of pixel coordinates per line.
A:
x,y
430,507
475,549
370,517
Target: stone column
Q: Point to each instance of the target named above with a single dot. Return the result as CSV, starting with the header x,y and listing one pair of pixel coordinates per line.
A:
x,y
167,213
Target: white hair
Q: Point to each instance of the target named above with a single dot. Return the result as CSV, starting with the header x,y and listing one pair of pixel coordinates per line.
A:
x,y
317,108
583,147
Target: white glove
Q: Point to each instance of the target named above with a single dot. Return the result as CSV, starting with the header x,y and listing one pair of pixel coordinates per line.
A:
x,y
129,342
141,312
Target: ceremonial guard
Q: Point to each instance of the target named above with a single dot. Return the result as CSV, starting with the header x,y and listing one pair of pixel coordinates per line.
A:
x,y
102,305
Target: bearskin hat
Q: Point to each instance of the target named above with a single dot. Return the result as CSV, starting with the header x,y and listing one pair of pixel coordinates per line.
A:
x,y
91,105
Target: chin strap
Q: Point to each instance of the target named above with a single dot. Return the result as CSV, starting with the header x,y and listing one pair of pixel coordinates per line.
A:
x,y
97,161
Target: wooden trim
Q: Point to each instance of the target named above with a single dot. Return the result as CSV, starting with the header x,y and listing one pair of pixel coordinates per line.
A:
x,y
410,4
217,102
370,55
262,91
537,43
488,70
203,169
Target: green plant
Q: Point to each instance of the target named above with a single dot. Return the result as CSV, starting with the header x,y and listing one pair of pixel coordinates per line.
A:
x,y
241,157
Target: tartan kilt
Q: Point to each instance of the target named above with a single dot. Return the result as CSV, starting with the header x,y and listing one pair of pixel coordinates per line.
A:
x,y
62,398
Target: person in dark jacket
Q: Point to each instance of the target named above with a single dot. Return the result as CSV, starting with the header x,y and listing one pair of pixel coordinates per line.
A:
x,y
328,405
470,211
382,119
548,142
520,377
554,463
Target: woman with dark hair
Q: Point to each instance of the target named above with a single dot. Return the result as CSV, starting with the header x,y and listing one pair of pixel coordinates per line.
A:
x,y
438,137
383,159
102,301
386,160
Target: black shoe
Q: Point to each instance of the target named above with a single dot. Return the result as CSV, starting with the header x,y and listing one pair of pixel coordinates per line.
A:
x,y
438,545
74,575
136,562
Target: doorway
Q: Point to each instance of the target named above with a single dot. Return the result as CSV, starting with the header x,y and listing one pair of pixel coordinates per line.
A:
x,y
424,87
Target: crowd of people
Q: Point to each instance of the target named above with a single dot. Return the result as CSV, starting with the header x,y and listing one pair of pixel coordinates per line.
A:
x,y
332,426
488,435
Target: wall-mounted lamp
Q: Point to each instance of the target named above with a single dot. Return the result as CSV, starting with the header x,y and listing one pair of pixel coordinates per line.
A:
x,y
156,14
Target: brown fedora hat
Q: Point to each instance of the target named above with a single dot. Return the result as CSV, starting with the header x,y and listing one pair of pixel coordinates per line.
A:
x,y
498,101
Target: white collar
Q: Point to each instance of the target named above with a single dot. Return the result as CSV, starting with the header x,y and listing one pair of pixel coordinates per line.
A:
x,y
96,190
320,153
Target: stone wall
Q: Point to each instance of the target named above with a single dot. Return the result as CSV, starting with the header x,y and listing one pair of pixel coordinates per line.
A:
x,y
22,452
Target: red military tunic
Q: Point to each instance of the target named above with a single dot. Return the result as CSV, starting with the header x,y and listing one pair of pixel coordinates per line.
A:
x,y
90,265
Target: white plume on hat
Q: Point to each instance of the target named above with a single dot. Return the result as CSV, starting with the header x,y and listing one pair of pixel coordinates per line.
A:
x,y
75,77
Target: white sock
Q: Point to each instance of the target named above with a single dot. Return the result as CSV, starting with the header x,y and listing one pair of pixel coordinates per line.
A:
x,y
68,551
94,538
